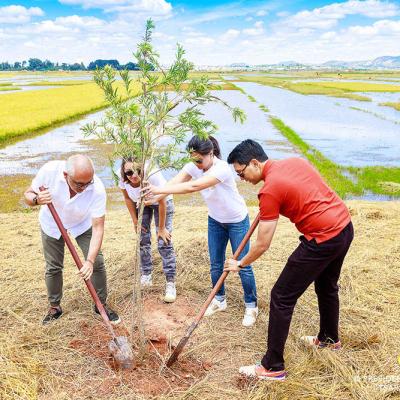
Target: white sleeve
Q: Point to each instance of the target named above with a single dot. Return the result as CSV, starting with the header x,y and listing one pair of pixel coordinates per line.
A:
x,y
98,207
221,171
157,179
42,178
190,169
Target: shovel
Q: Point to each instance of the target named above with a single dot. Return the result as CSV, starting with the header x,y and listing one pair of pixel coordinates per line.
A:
x,y
118,346
199,316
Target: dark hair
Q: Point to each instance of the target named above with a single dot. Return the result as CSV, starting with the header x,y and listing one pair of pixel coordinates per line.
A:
x,y
204,146
246,151
124,161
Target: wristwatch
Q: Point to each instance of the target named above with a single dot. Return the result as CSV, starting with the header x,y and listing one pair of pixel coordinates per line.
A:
x,y
239,264
35,200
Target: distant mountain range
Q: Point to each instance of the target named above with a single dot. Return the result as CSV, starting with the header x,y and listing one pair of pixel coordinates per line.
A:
x,y
385,62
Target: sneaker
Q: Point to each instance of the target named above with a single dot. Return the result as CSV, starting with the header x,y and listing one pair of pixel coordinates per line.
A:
x,y
112,315
314,342
215,306
170,292
250,316
53,314
259,372
146,281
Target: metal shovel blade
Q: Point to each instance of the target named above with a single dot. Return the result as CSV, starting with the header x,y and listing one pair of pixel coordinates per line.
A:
x,y
121,351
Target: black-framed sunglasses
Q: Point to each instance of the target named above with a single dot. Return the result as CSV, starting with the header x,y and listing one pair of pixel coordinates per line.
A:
x,y
200,160
82,185
130,172
240,174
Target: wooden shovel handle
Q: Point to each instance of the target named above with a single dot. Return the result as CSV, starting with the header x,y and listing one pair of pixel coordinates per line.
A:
x,y
79,264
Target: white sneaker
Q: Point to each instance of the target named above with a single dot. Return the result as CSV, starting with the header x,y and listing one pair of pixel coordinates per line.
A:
x,y
146,281
259,372
215,306
314,342
170,292
250,316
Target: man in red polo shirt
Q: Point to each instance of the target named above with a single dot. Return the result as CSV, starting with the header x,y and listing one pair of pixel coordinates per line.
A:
x,y
294,189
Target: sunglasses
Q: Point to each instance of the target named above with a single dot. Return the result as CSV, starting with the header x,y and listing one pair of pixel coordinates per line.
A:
x,y
240,174
201,160
81,185
131,172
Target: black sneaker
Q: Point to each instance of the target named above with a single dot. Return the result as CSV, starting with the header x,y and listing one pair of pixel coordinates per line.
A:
x,y
112,315
53,314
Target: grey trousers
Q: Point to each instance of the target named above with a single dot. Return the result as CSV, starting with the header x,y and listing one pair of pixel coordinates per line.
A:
x,y
166,251
53,251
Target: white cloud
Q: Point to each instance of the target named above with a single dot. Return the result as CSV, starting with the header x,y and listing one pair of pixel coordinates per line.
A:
x,y
229,35
152,7
328,16
18,14
83,22
383,27
261,13
200,41
257,30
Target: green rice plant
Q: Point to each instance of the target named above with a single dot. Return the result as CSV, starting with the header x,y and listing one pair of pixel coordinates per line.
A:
x,y
396,106
264,108
378,179
357,86
71,82
9,88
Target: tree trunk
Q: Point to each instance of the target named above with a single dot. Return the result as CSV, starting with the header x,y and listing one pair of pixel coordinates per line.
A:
x,y
137,327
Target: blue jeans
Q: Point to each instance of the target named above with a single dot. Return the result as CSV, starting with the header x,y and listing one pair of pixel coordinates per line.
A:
x,y
218,236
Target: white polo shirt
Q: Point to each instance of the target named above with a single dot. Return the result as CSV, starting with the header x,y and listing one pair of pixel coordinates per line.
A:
x,y
76,213
223,200
156,179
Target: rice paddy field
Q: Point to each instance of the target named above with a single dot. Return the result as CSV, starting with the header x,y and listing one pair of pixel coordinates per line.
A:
x,y
25,113
69,359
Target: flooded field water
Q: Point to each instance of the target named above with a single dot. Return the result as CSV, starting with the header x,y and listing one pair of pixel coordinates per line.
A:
x,y
345,135
349,132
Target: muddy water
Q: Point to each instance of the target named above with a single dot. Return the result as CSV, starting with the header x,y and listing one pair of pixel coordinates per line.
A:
x,y
347,136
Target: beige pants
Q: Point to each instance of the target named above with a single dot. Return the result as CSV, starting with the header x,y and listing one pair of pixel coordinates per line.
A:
x,y
53,251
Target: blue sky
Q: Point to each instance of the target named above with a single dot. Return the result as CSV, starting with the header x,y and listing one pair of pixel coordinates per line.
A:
x,y
212,32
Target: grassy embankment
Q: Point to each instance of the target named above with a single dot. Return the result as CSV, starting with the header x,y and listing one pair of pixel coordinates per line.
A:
x,y
336,89
378,180
396,106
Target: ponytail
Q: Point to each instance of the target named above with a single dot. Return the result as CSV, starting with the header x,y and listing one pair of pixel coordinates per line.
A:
x,y
204,146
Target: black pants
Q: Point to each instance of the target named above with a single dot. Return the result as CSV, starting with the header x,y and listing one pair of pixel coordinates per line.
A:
x,y
310,262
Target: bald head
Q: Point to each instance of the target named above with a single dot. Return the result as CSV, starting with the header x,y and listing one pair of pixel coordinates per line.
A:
x,y
79,164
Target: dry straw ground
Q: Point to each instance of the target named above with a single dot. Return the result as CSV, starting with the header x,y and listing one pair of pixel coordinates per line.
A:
x,y
68,360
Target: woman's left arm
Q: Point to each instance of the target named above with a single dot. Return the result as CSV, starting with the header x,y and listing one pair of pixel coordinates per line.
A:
x,y
184,187
162,215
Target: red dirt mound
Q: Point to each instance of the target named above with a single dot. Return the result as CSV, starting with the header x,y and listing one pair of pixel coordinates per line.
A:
x,y
164,324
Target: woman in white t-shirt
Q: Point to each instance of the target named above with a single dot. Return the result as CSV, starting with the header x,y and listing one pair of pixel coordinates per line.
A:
x,y
163,212
228,218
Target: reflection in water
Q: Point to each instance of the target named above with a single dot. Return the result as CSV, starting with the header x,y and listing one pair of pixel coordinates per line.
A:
x,y
344,135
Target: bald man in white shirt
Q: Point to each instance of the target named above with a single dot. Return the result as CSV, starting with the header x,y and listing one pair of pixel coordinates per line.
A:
x,y
79,197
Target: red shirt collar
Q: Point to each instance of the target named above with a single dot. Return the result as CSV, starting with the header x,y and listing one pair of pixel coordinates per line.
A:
x,y
265,169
